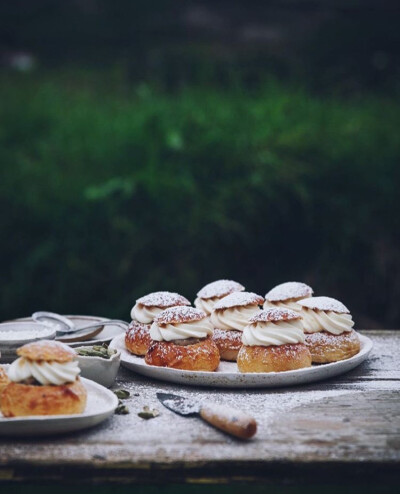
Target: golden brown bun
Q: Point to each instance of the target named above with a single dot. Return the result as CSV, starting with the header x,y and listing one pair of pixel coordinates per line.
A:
x,y
229,342
202,356
137,338
20,400
274,358
47,350
3,380
326,347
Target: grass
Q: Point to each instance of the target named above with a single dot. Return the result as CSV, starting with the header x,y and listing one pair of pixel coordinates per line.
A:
x,y
110,191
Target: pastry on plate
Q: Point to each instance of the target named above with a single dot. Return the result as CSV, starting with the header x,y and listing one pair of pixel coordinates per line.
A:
x,y
3,380
44,380
328,326
229,317
273,341
137,338
182,340
210,294
286,295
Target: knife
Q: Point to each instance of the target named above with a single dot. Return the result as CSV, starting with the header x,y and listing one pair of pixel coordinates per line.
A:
x,y
229,420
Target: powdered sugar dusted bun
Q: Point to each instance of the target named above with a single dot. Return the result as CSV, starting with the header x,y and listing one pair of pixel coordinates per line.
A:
x,y
179,323
137,338
273,358
273,341
44,380
229,343
325,314
274,327
209,295
19,400
287,294
235,310
201,355
149,306
326,347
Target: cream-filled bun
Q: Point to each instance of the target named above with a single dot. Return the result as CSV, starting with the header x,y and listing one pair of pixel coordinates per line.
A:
x,y
274,327
182,340
44,380
325,314
210,294
273,341
148,307
234,311
180,323
328,328
286,295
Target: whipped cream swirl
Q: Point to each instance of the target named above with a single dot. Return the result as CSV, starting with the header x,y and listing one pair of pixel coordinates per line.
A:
x,y
233,318
144,314
206,305
315,321
45,373
273,333
181,331
291,305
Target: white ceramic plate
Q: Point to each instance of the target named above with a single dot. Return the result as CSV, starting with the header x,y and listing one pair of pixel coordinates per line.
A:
x,y
101,403
106,335
228,375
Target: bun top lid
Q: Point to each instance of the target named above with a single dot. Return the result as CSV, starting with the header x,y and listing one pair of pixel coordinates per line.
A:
x,y
219,288
275,314
327,304
239,299
162,300
176,315
47,350
289,290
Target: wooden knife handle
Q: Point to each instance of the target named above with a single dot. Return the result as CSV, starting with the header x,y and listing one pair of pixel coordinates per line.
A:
x,y
229,420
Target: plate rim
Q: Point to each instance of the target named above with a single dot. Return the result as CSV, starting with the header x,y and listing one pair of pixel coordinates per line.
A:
x,y
253,380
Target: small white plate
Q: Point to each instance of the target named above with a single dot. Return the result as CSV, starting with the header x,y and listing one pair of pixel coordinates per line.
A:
x,y
228,375
105,336
101,404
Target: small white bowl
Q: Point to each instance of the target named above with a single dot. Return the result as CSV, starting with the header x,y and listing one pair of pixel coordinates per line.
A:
x,y
98,369
15,334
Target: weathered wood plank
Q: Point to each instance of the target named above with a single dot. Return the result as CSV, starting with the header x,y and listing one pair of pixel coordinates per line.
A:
x,y
347,426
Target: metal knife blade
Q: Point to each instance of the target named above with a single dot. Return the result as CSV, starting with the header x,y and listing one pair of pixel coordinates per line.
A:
x,y
179,404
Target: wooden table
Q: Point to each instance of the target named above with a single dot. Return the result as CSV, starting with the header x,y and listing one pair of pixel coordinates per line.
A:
x,y
345,430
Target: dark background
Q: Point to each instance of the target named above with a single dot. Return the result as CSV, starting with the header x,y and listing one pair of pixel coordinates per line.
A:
x,y
162,145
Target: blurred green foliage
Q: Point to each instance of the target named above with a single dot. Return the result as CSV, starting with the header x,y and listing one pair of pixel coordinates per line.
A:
x,y
109,192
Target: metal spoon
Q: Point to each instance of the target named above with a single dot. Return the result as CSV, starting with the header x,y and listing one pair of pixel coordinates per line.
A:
x,y
66,329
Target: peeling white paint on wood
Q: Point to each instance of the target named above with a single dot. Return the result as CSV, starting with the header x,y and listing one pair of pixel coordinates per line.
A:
x,y
352,419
